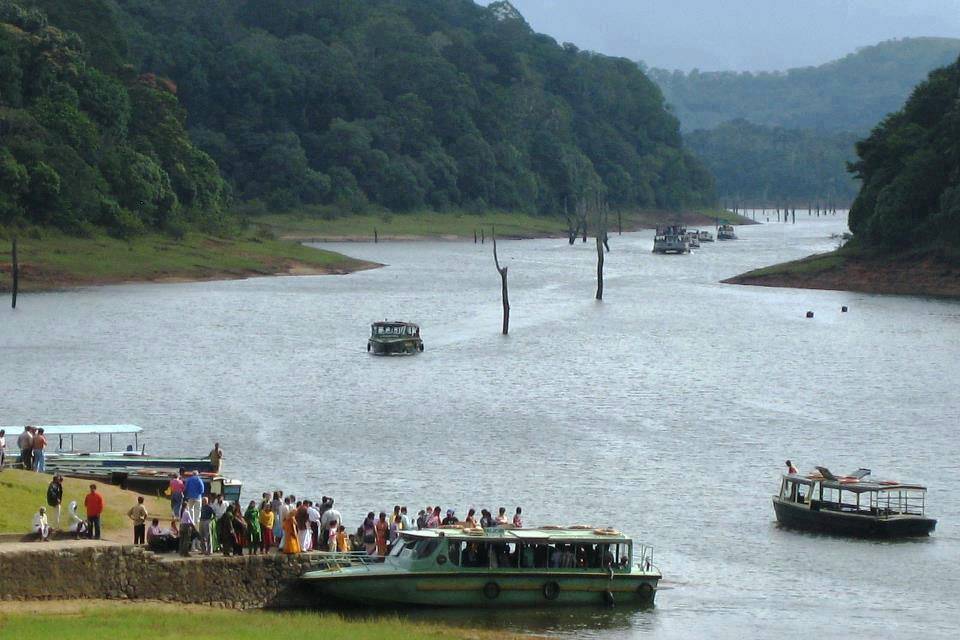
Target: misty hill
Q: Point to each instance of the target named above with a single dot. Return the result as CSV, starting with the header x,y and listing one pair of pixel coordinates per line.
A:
x,y
910,168
81,147
850,94
400,103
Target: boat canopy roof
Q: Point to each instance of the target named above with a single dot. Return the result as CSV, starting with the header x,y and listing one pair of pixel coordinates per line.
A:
x,y
79,429
394,323
851,483
589,535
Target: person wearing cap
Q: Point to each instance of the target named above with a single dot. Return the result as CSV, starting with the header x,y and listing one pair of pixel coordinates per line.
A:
x,y
451,518
40,525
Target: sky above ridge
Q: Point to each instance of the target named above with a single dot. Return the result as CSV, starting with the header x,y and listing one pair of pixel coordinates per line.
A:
x,y
743,35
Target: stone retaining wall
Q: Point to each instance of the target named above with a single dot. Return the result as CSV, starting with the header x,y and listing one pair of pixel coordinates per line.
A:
x,y
126,572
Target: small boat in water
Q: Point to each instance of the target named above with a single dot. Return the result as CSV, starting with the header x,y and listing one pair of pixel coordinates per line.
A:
x,y
671,239
394,338
726,232
500,567
852,505
704,236
693,238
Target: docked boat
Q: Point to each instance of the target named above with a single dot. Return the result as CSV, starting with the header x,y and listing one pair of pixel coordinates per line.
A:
x,y
726,232
394,338
704,236
693,238
671,239
496,568
853,505
110,447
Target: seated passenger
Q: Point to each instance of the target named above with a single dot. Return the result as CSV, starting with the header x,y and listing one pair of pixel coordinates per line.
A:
x,y
40,525
77,526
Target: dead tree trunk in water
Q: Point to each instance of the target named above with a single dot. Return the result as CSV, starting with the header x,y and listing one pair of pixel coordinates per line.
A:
x,y
503,285
599,267
15,274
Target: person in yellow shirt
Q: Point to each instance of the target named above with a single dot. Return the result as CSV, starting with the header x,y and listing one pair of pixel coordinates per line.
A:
x,y
267,520
343,543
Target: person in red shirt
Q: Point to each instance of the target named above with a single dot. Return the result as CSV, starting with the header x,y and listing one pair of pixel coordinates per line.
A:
x,y
94,505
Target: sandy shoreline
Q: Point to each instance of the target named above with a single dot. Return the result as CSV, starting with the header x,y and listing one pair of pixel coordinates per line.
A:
x,y
928,276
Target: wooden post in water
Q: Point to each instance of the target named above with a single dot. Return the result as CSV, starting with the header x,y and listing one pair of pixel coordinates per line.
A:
x,y
503,284
474,236
619,223
483,239
376,239
15,274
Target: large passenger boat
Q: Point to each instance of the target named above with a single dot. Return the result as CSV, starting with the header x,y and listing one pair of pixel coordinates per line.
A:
x,y
394,338
496,568
853,505
671,239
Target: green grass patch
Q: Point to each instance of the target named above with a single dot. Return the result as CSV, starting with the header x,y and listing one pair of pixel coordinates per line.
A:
x,y
807,266
135,621
50,259
22,493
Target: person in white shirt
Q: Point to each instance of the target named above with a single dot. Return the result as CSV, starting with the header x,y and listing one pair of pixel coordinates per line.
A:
x,y
187,527
219,507
3,446
404,519
330,515
40,525
311,538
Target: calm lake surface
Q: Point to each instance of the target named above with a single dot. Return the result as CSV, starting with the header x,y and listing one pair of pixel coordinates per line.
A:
x,y
667,411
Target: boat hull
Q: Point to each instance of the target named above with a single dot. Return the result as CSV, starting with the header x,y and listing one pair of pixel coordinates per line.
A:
x,y
488,590
409,346
795,516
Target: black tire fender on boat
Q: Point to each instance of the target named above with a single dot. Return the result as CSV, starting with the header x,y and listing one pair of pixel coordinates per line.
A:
x,y
421,347
645,591
368,347
491,590
551,590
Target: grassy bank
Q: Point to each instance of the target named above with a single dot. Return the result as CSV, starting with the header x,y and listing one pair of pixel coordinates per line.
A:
x,y
452,225
52,260
850,268
156,621
22,493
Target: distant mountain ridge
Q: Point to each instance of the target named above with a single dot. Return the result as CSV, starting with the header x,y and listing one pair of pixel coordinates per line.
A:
x,y
850,94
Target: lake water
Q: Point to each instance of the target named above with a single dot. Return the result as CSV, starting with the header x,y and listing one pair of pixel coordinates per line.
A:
x,y
666,410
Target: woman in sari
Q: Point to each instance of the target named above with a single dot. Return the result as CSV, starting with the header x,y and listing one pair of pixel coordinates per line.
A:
x,y
291,544
266,527
368,532
240,527
382,531
254,538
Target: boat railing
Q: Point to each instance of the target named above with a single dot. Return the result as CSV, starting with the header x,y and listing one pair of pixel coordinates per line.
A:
x,y
643,556
332,561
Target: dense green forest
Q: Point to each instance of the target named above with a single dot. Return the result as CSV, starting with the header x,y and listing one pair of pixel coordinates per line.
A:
x,y
82,147
757,164
770,138
401,104
910,168
850,94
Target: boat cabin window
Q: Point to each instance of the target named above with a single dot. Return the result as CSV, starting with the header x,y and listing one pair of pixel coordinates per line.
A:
x,y
794,491
425,548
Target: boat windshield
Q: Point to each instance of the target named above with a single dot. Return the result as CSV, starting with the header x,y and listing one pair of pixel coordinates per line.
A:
x,y
393,330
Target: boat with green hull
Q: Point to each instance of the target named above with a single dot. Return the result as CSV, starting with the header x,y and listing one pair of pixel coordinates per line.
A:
x,y
452,567
394,339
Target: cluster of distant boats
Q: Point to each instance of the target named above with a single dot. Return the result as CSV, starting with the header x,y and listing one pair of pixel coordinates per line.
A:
x,y
504,566
675,238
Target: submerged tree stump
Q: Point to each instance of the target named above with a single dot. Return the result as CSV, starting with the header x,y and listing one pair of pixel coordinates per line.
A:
x,y
503,284
15,274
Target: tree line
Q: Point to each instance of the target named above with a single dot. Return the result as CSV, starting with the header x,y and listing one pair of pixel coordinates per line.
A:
x,y
910,169
397,104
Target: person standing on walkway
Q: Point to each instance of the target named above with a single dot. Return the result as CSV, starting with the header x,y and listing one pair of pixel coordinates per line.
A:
x,y
187,529
216,457
267,521
25,444
193,491
138,513
3,447
206,527
55,495
276,507
93,503
39,450
176,494
254,538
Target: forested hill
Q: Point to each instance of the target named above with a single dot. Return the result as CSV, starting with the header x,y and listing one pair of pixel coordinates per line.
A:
x,y
910,167
400,103
850,94
82,147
